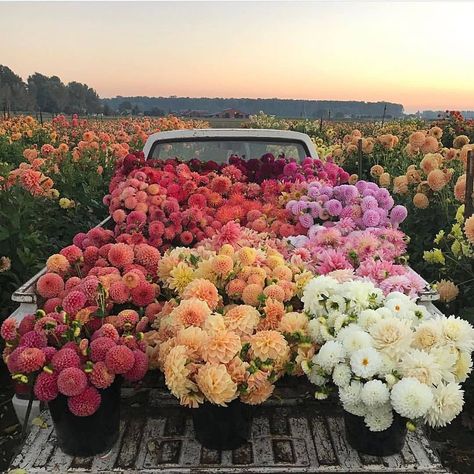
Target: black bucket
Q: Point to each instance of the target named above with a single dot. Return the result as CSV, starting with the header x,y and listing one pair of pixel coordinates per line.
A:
x,y
88,435
222,428
375,443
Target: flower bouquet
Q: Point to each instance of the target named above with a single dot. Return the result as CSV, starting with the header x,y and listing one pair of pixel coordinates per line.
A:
x,y
227,332
75,352
391,364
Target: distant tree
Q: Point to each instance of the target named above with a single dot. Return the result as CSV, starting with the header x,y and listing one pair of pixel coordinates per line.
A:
x,y
155,112
50,93
13,91
125,106
107,110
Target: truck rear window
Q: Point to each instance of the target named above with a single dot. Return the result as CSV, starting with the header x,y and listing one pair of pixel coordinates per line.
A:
x,y
220,149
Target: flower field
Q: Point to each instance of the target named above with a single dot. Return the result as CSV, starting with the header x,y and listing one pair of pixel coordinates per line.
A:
x,y
228,277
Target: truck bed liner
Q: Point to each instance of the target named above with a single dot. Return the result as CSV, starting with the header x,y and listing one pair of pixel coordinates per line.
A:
x,y
157,436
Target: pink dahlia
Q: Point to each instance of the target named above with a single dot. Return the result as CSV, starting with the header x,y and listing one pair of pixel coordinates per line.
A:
x,y
27,324
72,381
72,253
72,283
119,292
100,376
91,254
33,339
147,256
74,301
119,359
51,304
127,316
8,330
106,330
46,387
50,285
90,286
120,255
330,260
143,294
65,358
139,368
86,403
99,348
49,352
30,360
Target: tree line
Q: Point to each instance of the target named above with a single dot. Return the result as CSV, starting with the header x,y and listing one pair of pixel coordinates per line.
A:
x,y
41,93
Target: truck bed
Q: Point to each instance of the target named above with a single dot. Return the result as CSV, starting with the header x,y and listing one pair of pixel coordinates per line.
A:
x,y
287,437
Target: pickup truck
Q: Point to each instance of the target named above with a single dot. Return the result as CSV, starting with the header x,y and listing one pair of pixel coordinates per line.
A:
x,y
285,437
217,145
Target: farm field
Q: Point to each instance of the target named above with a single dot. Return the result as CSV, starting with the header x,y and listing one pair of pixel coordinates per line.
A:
x,y
54,179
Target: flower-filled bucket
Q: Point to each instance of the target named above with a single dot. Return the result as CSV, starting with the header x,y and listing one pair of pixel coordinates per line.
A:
x,y
222,428
375,443
88,435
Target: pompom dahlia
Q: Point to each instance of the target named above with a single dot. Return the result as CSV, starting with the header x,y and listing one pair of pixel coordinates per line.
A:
x,y
72,381
119,359
86,403
46,387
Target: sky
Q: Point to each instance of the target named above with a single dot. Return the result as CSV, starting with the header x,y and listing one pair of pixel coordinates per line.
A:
x,y
418,54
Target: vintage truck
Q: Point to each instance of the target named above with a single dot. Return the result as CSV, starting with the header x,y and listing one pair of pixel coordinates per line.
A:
x,y
285,436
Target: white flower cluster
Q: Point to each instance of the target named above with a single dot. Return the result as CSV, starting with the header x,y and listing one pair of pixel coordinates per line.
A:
x,y
386,354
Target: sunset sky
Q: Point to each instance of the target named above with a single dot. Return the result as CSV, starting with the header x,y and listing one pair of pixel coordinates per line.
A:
x,y
418,54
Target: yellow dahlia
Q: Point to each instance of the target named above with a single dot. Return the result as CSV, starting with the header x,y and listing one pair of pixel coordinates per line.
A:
x,y
246,255
180,277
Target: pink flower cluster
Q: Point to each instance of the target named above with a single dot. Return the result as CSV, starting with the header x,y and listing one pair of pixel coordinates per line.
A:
x,y
55,348
175,206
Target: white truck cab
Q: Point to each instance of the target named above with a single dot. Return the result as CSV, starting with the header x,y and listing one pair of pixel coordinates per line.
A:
x,y
218,144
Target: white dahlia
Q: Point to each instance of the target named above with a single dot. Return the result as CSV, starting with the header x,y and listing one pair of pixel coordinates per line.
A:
x,y
357,409
353,338
392,336
447,404
463,366
375,392
428,335
422,366
366,362
316,292
314,329
410,398
367,318
446,357
379,418
342,375
350,394
458,333
330,354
